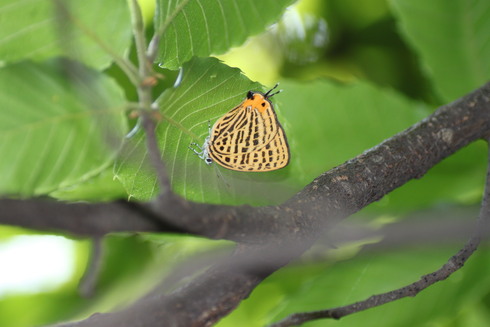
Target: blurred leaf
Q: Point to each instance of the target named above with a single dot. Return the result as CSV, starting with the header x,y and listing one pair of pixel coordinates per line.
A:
x,y
259,58
330,123
39,30
303,37
325,285
126,257
452,39
59,124
102,187
196,28
134,264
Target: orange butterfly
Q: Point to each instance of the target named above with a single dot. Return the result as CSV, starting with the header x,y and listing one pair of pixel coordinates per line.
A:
x,y
248,138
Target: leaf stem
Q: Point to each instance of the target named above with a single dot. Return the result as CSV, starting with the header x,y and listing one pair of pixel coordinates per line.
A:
x,y
145,69
154,43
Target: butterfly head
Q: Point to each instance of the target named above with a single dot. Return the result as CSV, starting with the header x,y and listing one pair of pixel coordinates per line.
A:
x,y
260,101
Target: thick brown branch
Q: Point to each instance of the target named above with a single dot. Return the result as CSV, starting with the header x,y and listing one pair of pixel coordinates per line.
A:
x,y
81,219
454,263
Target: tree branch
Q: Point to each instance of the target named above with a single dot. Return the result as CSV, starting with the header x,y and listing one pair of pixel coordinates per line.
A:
x,y
82,219
452,265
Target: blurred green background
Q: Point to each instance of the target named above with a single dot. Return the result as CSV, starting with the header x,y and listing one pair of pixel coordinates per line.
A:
x,y
354,72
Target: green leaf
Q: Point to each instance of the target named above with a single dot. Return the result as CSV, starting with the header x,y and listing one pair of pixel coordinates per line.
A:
x,y
39,30
208,90
310,287
452,39
60,123
102,187
201,28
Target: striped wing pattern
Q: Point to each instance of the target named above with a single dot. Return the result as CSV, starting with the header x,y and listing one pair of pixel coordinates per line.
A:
x,y
249,138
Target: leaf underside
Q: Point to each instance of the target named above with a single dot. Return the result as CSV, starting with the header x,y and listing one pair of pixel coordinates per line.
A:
x,y
202,28
71,133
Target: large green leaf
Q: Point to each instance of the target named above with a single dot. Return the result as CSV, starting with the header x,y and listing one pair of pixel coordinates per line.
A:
x,y
59,124
208,90
41,29
452,39
201,28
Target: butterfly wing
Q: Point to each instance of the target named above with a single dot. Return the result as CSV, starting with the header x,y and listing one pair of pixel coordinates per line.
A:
x,y
243,130
246,139
272,156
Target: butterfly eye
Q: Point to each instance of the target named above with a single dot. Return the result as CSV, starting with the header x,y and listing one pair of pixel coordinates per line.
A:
x,y
208,160
250,95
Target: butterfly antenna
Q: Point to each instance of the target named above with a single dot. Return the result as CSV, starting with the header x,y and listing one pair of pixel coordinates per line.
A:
x,y
269,95
268,92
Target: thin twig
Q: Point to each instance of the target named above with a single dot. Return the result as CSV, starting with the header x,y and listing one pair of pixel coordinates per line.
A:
x,y
145,97
452,265
89,279
154,152
139,33
145,71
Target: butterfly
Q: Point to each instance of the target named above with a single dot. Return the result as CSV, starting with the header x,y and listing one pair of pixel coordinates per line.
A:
x,y
247,138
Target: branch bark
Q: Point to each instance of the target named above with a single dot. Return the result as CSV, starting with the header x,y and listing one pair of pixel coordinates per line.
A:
x,y
454,263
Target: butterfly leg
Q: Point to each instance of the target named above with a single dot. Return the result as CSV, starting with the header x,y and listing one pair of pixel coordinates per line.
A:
x,y
196,148
201,151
